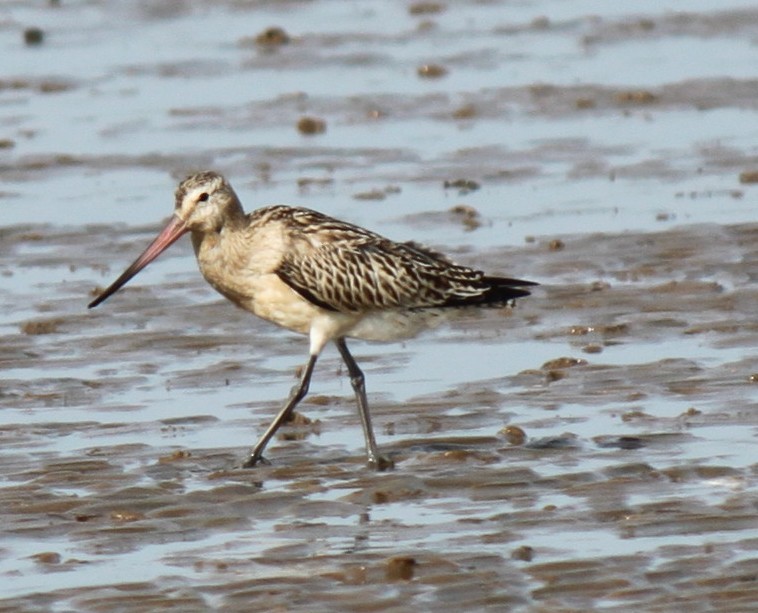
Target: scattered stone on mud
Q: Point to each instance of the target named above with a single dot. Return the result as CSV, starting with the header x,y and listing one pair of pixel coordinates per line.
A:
x,y
592,348
525,553
565,362
34,36
468,215
47,557
431,71
274,36
426,8
311,125
372,194
464,186
514,435
467,111
749,176
400,568
556,244
637,484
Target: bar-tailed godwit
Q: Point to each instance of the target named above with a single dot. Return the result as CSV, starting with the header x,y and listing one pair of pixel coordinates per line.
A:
x,y
318,276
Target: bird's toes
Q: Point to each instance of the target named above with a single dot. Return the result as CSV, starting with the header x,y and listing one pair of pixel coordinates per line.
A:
x,y
381,463
253,461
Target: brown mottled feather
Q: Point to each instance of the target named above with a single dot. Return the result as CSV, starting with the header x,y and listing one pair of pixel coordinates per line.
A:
x,y
345,268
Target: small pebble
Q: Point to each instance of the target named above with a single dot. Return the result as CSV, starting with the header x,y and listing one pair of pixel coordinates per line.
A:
x,y
400,568
556,244
563,363
468,215
47,557
33,36
592,348
463,185
426,8
272,37
467,111
749,176
311,125
372,194
524,553
127,516
514,435
431,71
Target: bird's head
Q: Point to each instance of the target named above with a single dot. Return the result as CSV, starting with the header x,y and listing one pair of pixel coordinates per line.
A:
x,y
205,202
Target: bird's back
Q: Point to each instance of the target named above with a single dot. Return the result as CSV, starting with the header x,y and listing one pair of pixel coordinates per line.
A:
x,y
344,268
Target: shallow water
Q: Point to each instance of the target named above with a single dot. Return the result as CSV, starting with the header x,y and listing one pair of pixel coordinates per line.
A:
x,y
607,146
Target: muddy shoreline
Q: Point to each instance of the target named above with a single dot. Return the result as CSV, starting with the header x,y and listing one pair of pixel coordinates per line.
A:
x,y
593,448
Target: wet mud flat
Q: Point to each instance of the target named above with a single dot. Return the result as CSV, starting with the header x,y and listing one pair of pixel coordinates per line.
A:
x,y
594,448
616,470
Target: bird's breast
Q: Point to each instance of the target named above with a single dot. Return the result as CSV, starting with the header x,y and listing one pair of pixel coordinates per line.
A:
x,y
264,295
243,272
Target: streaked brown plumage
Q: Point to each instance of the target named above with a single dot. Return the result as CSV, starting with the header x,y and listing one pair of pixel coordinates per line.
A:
x,y
319,276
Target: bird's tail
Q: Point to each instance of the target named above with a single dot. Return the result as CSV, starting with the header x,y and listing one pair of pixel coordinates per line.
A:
x,y
491,292
503,290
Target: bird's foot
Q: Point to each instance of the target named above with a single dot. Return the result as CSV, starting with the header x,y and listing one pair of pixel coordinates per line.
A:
x,y
254,460
380,463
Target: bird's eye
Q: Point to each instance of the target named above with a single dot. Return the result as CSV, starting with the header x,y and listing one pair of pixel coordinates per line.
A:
x,y
203,197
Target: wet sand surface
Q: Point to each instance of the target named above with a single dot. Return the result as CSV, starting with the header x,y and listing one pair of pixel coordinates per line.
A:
x,y
592,449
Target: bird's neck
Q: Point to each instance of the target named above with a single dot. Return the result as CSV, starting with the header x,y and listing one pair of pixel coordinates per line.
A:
x,y
234,218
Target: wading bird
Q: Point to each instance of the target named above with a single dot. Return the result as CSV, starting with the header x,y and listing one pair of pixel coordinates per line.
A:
x,y
321,277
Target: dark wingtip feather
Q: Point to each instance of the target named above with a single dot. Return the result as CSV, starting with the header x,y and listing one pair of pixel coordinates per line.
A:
x,y
505,281
497,292
503,291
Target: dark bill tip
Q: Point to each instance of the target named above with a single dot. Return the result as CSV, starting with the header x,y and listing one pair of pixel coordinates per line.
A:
x,y
168,236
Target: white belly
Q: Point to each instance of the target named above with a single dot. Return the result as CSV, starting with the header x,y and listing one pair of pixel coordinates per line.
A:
x,y
396,325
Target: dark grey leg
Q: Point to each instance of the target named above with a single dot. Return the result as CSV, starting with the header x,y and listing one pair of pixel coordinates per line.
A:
x,y
296,395
375,459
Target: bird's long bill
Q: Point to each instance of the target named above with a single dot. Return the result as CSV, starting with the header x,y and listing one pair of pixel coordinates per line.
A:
x,y
168,236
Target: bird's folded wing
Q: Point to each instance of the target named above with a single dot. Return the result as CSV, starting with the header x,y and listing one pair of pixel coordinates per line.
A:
x,y
379,274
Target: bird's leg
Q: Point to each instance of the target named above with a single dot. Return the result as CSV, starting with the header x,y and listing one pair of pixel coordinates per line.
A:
x,y
375,459
297,393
